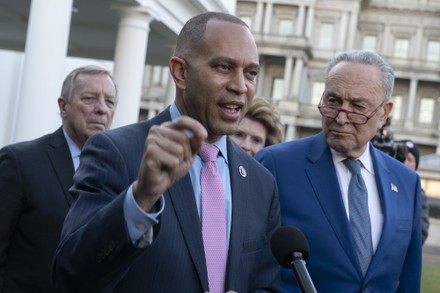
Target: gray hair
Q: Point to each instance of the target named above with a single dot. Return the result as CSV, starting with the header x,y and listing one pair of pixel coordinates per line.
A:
x,y
69,81
368,58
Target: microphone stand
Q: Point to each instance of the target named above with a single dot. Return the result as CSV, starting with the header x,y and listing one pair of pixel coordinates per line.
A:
x,y
298,265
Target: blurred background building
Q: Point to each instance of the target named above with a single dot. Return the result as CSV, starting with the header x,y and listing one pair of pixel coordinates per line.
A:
x,y
42,40
296,38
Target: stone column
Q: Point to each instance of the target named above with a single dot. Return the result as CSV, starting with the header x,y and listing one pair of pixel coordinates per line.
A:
x,y
409,120
385,37
300,21
417,54
259,17
268,18
45,52
291,130
170,93
130,54
288,67
310,22
352,30
261,77
297,77
343,31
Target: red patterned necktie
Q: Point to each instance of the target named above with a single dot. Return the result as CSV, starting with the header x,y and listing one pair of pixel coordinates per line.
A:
x,y
213,219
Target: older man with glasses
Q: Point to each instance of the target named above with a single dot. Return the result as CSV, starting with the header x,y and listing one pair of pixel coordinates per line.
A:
x,y
358,207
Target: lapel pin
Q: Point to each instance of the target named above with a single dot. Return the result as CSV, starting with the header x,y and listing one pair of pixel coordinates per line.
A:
x,y
242,171
394,187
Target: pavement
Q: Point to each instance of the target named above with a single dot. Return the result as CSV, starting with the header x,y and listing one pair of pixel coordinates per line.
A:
x,y
431,249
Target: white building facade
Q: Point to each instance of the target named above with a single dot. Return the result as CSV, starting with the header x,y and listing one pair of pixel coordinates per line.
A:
x,y
38,37
295,38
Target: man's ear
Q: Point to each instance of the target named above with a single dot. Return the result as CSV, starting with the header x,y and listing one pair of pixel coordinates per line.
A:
x,y
62,106
178,69
387,107
387,110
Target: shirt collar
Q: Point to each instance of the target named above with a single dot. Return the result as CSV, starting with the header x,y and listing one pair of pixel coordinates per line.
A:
x,y
75,151
365,158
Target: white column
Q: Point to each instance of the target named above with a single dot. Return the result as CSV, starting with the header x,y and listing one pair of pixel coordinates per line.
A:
x,y
385,37
130,54
147,75
310,22
261,77
45,52
268,18
288,67
170,92
437,150
417,54
10,74
352,30
297,76
291,131
343,31
300,20
258,17
411,101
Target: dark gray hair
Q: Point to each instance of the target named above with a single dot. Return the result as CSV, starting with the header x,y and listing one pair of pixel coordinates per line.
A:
x,y
191,36
368,58
69,81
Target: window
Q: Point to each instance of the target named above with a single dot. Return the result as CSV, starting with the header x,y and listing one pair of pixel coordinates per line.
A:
x,y
277,88
317,91
401,47
396,113
433,51
285,27
369,43
326,36
426,112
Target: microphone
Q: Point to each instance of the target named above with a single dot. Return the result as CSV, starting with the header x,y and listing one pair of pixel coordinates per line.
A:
x,y
291,249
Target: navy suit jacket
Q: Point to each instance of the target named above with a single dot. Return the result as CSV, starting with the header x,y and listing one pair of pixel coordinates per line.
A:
x,y
97,255
35,178
310,199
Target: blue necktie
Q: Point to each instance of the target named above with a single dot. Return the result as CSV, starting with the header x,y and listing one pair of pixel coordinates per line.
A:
x,y
359,215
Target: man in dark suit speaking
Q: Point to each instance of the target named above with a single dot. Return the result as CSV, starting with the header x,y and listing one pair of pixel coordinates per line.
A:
x,y
35,178
143,220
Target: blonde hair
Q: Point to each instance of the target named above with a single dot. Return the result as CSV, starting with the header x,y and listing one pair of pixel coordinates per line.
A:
x,y
264,112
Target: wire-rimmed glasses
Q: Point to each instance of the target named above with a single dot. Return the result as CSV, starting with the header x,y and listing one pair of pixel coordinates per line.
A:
x,y
353,117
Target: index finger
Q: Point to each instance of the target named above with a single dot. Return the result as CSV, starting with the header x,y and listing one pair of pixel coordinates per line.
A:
x,y
195,131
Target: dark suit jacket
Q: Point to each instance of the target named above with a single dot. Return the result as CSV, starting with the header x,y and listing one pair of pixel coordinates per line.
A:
x,y
310,199
96,254
35,177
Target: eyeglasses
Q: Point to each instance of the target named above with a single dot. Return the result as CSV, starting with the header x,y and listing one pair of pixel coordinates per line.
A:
x,y
353,117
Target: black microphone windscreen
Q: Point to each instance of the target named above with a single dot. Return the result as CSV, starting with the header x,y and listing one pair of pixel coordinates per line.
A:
x,y
287,240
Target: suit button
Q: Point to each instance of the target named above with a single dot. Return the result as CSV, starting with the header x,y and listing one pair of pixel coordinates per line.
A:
x,y
365,288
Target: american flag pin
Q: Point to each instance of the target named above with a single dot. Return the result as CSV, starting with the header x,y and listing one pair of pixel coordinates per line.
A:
x,y
394,187
242,171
